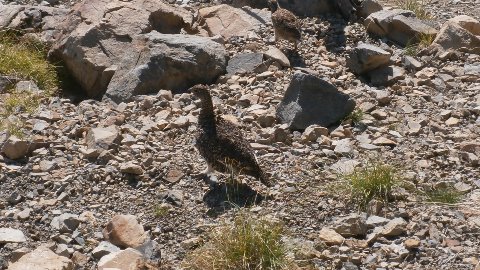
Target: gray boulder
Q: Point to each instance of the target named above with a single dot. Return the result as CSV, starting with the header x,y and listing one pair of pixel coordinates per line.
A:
x,y
98,33
310,100
398,25
452,36
245,63
368,7
367,57
166,61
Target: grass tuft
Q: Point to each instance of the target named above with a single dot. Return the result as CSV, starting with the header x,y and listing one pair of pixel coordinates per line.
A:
x,y
374,181
444,195
161,210
246,244
355,117
25,58
417,6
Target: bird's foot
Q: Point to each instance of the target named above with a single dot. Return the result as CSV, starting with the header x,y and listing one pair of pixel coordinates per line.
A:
x,y
206,178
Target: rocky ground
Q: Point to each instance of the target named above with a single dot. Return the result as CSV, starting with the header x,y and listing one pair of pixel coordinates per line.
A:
x,y
426,123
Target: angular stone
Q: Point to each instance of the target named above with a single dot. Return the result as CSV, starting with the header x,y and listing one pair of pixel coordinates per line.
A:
x,y
125,231
368,7
395,227
132,168
65,223
245,63
42,258
228,21
330,237
277,55
352,225
385,76
9,235
128,259
15,148
411,243
102,138
366,57
375,221
104,248
453,37
313,132
468,23
310,100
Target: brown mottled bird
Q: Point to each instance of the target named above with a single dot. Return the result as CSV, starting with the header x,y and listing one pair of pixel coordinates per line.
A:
x,y
285,24
221,143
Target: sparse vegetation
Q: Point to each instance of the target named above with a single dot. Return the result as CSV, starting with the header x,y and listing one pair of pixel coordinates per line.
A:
x,y
417,6
374,181
160,210
410,50
25,59
246,244
354,117
444,195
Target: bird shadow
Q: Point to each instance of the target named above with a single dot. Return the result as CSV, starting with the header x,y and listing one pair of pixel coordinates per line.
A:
x,y
224,196
335,39
296,60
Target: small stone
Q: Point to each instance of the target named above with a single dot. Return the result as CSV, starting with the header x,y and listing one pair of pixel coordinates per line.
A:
x,y
190,243
375,221
104,248
125,231
330,237
132,168
42,258
9,235
352,225
395,227
24,215
452,121
412,243
15,148
124,259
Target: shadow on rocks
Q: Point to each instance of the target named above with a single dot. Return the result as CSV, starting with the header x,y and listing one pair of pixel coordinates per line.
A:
x,y
224,196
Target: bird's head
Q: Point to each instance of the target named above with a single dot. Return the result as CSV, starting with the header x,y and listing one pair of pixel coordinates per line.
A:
x,y
200,91
273,5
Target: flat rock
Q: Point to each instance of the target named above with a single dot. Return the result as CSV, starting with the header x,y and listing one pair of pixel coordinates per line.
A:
x,y
102,138
366,57
132,168
15,148
454,37
385,76
310,100
245,63
65,223
352,225
330,237
104,248
9,235
128,259
42,258
125,231
468,23
277,55
395,227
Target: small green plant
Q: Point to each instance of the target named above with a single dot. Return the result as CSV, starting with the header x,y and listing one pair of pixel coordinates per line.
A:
x,y
356,116
425,40
411,50
417,6
374,181
161,210
13,128
246,244
25,58
444,195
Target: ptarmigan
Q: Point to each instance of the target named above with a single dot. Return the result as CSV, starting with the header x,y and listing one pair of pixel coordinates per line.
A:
x,y
285,24
221,143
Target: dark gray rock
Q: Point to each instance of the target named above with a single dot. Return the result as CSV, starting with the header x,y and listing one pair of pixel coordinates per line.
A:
x,y
166,61
245,63
310,100
385,76
367,57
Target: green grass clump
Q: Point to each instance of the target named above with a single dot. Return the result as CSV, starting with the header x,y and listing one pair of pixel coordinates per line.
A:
x,y
374,181
25,58
247,244
417,6
355,117
161,210
13,128
444,195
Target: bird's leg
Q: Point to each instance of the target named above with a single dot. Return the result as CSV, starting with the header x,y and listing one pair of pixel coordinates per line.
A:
x,y
296,45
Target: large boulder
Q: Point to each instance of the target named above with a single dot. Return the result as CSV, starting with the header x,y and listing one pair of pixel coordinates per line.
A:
x,y
166,61
453,36
97,34
468,23
42,258
399,25
40,19
366,57
229,21
310,100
